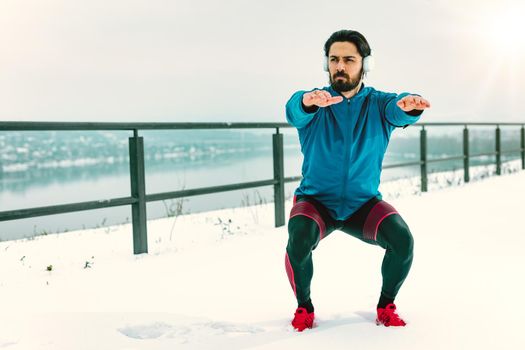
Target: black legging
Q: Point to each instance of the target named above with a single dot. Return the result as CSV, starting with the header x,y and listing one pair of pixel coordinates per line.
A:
x,y
393,235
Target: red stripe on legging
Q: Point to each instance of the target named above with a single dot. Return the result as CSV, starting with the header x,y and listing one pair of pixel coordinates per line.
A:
x,y
309,210
379,212
289,272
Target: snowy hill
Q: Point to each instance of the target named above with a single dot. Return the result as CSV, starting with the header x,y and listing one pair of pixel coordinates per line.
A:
x,y
216,280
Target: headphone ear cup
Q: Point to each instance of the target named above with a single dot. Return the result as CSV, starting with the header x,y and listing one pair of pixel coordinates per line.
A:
x,y
368,64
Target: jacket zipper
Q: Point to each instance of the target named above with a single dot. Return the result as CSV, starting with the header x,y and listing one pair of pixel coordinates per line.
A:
x,y
345,163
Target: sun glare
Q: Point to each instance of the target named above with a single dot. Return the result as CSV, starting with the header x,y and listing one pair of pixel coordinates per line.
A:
x,y
505,28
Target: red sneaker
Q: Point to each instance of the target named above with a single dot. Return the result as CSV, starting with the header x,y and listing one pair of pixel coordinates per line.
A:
x,y
302,319
388,317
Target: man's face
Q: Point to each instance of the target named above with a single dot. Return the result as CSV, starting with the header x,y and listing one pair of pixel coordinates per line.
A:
x,y
345,66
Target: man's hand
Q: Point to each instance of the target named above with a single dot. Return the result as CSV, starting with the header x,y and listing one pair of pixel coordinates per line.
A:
x,y
411,102
320,98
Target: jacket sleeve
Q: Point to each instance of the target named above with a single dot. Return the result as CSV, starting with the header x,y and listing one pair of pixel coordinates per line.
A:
x,y
295,113
394,115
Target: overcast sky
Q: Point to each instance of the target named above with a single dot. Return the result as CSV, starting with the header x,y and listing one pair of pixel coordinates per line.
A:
x,y
186,60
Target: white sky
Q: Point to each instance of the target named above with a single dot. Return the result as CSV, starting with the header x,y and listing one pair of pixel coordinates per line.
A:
x,y
160,60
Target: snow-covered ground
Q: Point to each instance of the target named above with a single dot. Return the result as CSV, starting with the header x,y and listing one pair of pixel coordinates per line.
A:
x,y
216,280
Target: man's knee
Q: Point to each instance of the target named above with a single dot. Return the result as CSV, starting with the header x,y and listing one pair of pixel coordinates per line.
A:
x,y
397,236
303,234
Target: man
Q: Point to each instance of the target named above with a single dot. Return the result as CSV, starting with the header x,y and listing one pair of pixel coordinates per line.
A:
x,y
344,131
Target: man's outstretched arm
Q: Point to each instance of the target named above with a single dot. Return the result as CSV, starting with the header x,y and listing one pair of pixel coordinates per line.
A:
x,y
302,106
404,109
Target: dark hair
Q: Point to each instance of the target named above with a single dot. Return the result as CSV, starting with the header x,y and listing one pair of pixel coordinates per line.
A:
x,y
351,36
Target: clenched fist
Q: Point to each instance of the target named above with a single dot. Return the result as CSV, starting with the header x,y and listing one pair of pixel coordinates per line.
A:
x,y
412,102
320,98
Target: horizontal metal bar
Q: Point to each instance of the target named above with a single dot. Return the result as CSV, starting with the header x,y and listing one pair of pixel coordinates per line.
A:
x,y
511,151
482,154
436,160
466,124
207,190
33,126
74,207
473,155
389,166
293,179
64,208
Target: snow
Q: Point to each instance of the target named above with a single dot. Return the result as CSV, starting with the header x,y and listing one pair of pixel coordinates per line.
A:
x,y
216,280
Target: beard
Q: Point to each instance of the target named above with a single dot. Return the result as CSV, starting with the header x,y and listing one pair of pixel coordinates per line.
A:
x,y
346,84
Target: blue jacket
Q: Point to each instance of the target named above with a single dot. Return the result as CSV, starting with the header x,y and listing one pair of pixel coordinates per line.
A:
x,y
344,145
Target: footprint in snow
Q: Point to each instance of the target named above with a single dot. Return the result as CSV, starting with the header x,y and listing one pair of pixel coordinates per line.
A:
x,y
148,331
185,332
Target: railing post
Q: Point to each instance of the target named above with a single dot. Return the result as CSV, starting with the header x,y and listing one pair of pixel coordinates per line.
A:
x,y
466,153
278,174
423,156
138,191
523,147
498,150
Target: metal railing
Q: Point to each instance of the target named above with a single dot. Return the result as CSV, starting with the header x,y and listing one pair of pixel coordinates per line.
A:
x,y
139,197
466,156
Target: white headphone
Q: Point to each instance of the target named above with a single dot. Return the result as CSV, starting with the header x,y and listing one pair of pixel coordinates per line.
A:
x,y
368,63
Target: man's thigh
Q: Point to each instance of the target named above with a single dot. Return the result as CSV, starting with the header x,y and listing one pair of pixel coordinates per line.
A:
x,y
309,207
